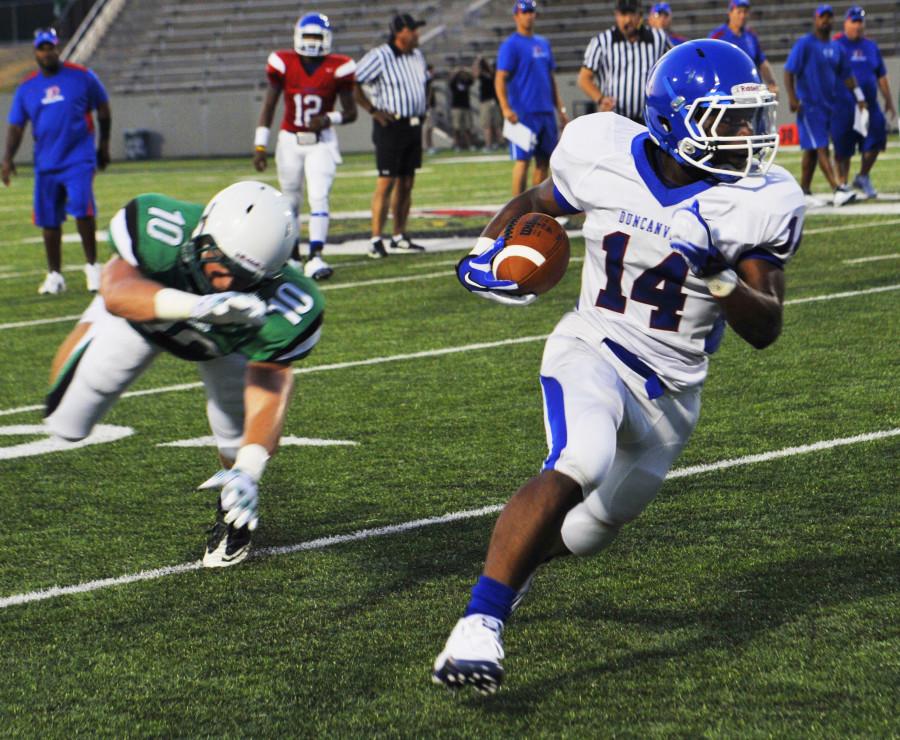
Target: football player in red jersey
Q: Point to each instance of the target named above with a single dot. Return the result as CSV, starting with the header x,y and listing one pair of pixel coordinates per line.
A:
x,y
311,78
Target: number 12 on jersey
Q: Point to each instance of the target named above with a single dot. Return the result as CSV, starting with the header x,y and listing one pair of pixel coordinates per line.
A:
x,y
305,107
660,286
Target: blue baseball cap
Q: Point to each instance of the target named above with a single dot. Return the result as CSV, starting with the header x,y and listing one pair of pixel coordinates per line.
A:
x,y
45,36
524,6
855,13
661,8
823,9
739,4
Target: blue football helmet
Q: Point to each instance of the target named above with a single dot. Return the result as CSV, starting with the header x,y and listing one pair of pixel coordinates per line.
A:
x,y
706,106
312,35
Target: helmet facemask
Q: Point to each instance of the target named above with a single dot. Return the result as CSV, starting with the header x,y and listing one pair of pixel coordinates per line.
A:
x,y
312,39
731,135
201,251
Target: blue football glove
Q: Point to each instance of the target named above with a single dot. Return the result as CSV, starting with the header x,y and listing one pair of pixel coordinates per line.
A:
x,y
239,496
691,237
475,273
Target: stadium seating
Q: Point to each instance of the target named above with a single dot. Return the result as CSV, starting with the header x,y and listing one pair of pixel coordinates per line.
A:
x,y
193,45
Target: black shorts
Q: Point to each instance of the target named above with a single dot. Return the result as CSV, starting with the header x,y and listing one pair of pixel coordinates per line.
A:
x,y
398,148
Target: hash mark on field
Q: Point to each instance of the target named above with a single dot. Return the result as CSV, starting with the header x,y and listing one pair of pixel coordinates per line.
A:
x,y
392,529
428,353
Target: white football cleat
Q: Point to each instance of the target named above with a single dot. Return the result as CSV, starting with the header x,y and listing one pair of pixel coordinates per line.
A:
x,y
843,195
472,655
226,544
54,283
92,276
317,268
813,202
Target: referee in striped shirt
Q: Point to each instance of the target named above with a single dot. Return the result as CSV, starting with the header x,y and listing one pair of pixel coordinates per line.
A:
x,y
621,58
397,73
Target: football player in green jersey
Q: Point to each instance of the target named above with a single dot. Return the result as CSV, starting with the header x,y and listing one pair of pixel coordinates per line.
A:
x,y
209,285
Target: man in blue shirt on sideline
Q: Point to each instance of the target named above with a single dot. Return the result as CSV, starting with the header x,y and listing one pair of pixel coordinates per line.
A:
x,y
58,99
871,74
661,17
527,93
736,32
816,65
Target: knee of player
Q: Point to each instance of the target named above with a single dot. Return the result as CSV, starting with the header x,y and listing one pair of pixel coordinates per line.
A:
x,y
584,534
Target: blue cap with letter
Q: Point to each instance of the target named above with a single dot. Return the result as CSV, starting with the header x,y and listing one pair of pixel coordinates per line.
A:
x,y
524,6
739,4
45,36
661,8
855,13
824,9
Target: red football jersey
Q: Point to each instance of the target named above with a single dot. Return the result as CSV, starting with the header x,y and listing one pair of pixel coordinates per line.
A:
x,y
308,95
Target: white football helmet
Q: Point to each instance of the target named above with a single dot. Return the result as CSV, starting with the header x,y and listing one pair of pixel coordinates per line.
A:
x,y
248,227
312,35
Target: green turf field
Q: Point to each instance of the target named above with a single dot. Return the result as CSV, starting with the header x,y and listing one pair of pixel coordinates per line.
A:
x,y
756,600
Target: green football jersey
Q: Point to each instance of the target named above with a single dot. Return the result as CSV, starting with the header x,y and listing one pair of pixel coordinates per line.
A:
x,y
150,233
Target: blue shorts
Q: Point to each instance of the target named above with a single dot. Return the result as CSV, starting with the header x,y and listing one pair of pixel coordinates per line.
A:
x,y
813,124
544,126
847,141
66,191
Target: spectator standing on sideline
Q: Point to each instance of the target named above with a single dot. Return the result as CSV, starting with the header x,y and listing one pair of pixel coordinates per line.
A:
x,y
816,65
661,17
58,100
461,108
736,32
431,110
621,58
527,94
311,79
398,73
871,75
488,110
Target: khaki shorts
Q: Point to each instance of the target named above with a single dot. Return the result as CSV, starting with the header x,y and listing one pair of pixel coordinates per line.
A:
x,y
461,119
489,114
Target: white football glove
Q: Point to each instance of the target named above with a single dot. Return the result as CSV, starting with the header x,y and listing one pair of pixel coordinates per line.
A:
x,y
230,308
239,496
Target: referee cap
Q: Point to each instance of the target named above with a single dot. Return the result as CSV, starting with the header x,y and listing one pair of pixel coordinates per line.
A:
x,y
45,36
404,20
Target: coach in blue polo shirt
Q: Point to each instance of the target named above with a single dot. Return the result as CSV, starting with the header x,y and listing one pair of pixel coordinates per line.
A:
x,y
527,93
814,67
58,99
737,33
871,74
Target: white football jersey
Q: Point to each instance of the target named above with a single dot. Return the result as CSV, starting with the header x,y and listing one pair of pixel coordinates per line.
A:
x,y
635,289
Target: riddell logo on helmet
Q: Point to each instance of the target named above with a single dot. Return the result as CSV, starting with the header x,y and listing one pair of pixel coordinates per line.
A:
x,y
246,258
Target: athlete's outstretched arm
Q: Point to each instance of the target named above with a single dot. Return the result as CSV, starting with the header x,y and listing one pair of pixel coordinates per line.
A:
x,y
538,199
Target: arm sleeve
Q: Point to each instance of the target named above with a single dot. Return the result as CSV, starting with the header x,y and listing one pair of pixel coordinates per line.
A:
x,y
369,67
592,55
275,69
122,236
96,92
345,74
568,167
794,63
18,116
506,57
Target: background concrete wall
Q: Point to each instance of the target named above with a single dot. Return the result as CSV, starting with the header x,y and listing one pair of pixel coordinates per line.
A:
x,y
222,124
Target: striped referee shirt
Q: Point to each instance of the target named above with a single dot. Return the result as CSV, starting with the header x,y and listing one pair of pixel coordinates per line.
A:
x,y
622,67
398,79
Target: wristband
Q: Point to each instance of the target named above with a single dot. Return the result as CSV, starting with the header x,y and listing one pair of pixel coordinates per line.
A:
x,y
252,460
336,117
722,284
482,245
261,138
170,304
858,93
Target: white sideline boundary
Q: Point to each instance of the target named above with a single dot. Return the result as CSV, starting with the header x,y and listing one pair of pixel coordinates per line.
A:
x,y
386,531
430,352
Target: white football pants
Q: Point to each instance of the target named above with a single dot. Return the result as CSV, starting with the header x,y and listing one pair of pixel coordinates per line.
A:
x,y
110,357
317,164
612,440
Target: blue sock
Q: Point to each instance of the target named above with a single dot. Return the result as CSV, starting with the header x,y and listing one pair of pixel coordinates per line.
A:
x,y
316,248
492,598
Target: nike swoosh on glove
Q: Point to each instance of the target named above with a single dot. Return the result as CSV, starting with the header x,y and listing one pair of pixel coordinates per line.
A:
x,y
230,308
691,237
475,273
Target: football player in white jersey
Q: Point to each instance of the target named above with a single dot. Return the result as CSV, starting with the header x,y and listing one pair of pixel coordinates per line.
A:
x,y
688,228
311,78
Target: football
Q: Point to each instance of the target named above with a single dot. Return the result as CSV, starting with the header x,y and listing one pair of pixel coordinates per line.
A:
x,y
535,255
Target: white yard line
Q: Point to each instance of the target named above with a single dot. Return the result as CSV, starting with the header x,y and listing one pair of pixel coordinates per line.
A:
x,y
431,352
394,529
877,258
